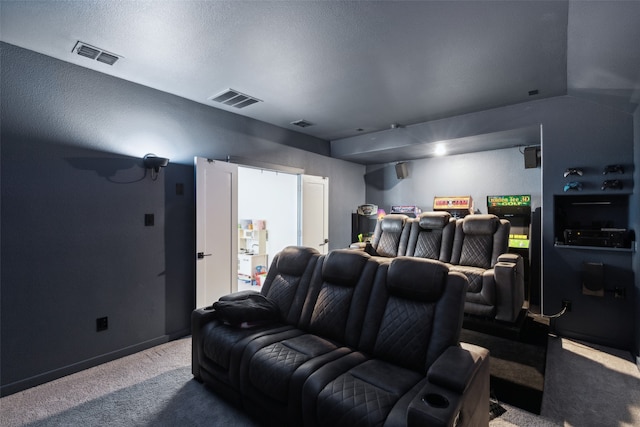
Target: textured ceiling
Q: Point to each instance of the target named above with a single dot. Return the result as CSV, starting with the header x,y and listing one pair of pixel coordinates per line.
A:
x,y
350,67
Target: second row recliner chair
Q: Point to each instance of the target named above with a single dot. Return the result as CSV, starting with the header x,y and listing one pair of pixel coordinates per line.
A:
x,y
476,246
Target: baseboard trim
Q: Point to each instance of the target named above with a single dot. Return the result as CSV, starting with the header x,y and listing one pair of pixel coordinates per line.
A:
x,y
7,389
599,340
179,334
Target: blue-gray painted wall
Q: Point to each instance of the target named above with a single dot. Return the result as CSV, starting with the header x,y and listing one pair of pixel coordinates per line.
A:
x,y
74,196
477,175
587,135
635,225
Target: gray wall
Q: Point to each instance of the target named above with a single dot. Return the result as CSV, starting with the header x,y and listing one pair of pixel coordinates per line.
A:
x,y
587,135
75,248
635,225
475,174
74,195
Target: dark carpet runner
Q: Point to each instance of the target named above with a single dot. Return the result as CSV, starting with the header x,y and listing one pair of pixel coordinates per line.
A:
x,y
517,359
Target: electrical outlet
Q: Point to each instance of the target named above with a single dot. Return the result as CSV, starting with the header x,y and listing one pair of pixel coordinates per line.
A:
x,y
102,324
149,220
566,304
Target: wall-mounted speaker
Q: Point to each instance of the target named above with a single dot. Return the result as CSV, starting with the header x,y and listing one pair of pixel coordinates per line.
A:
x,y
401,170
531,157
593,279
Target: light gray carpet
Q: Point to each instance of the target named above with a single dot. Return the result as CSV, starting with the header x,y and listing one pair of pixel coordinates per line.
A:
x,y
591,385
585,385
151,388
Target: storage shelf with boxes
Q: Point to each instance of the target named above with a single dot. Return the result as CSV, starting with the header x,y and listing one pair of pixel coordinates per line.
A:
x,y
252,246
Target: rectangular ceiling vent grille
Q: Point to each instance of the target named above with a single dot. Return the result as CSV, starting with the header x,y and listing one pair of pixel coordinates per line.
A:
x,y
233,98
302,123
92,52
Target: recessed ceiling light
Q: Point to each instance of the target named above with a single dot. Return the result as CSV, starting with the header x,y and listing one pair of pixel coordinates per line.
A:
x,y
440,150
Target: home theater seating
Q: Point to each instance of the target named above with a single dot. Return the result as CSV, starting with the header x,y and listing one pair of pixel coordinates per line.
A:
x,y
475,246
357,340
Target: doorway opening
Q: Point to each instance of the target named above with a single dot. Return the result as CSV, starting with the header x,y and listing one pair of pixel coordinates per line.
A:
x,y
267,220
286,209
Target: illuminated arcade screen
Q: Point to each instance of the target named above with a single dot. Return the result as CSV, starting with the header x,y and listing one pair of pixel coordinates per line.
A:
x,y
513,208
521,200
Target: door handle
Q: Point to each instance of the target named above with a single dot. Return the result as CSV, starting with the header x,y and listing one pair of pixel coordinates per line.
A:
x,y
324,243
202,255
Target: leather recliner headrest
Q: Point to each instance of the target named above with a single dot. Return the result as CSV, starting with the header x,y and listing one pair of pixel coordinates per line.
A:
x,y
344,266
420,279
393,223
294,259
434,220
480,224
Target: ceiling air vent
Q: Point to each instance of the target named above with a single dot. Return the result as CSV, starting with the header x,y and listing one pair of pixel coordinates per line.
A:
x,y
92,52
302,123
233,98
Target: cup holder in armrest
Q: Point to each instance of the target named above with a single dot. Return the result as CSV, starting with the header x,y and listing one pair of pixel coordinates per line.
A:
x,y
435,400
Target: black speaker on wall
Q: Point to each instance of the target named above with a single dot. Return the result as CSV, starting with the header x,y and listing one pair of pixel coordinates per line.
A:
x,y
593,279
531,157
401,170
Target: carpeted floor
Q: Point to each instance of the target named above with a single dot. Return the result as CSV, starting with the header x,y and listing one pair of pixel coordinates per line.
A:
x,y
518,361
155,388
151,388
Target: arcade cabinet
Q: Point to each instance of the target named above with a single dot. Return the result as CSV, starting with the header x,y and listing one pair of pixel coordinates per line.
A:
x,y
410,211
363,222
517,209
457,206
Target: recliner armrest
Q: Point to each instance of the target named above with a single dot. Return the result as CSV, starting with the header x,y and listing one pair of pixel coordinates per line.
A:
x,y
456,367
509,278
511,258
457,390
364,246
435,407
199,317
236,296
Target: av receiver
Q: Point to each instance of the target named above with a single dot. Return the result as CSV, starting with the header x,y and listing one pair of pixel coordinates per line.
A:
x,y
607,238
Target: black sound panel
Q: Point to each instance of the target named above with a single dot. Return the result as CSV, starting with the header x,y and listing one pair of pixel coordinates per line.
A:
x,y
593,279
401,170
531,157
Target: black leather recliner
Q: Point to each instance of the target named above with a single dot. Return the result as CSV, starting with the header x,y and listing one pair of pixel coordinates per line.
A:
x,y
275,367
389,237
431,236
476,246
391,327
217,347
496,278
414,318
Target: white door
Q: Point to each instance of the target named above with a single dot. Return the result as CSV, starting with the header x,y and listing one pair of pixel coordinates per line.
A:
x,y
314,212
216,230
